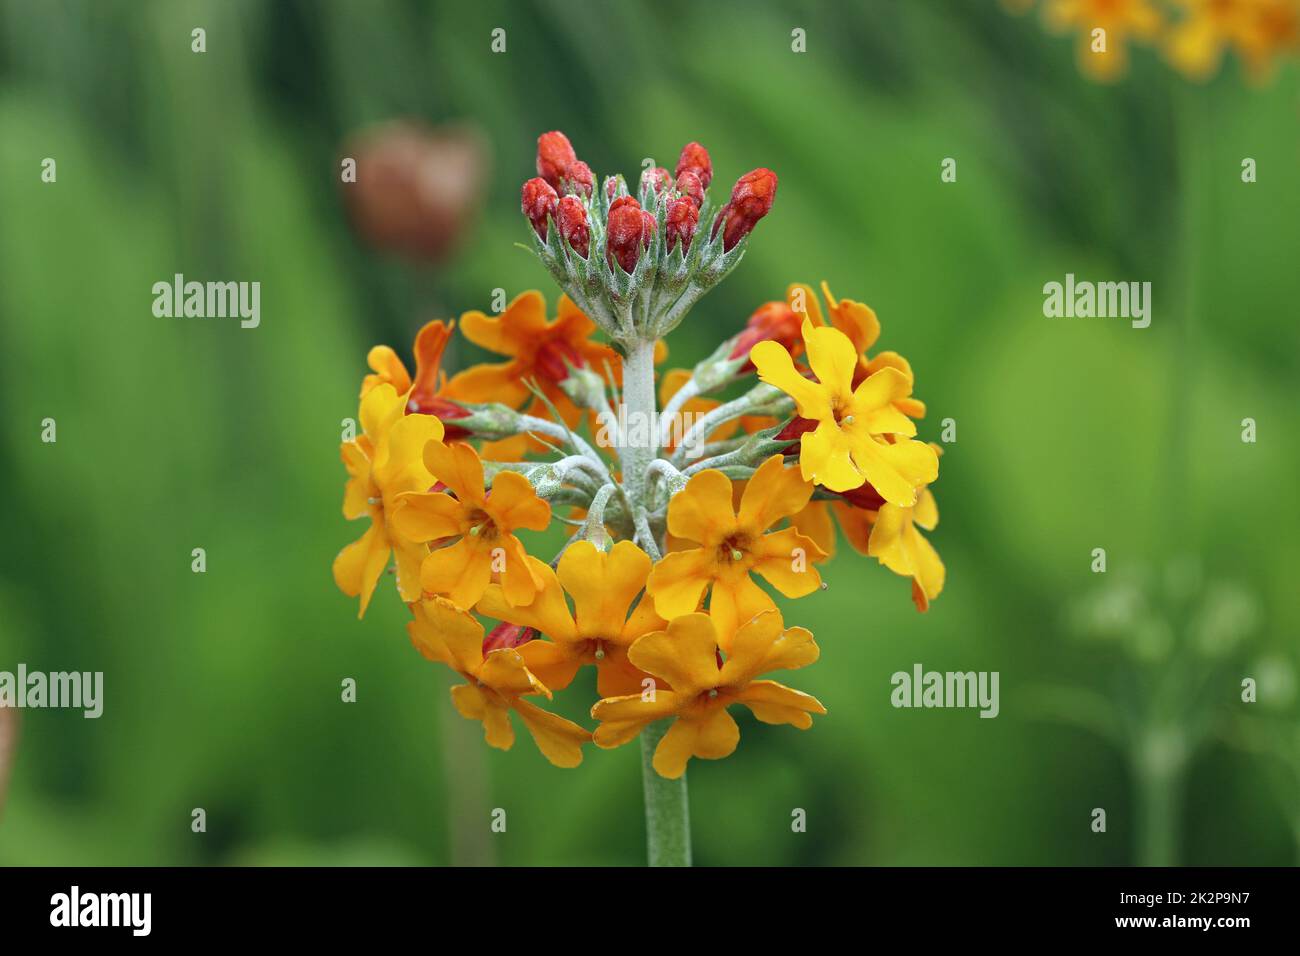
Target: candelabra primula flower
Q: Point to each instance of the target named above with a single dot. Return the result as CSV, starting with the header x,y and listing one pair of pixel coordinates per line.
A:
x,y
733,543
496,682
1104,57
427,393
860,435
1259,30
701,687
899,546
383,463
602,624
483,523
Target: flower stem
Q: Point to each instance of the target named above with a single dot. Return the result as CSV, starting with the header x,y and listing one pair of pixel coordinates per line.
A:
x,y
667,808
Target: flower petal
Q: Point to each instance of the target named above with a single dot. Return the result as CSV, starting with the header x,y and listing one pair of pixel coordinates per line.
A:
x,y
773,492
603,585
473,704
547,611
897,470
685,655
513,504
678,580
785,559
702,511
825,457
462,571
358,566
762,645
559,740
458,467
554,664
622,718
776,368
423,516
443,632
774,703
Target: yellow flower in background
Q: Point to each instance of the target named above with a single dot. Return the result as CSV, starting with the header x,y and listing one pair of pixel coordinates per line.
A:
x,y
1259,30
483,522
1104,28
899,546
861,436
496,683
702,688
732,544
385,462
602,625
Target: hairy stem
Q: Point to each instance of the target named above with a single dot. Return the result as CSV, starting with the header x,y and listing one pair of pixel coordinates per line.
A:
x,y
667,808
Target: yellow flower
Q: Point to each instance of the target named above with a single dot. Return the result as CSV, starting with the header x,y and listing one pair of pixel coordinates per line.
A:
x,y
686,657
384,463
734,543
598,630
1120,19
1258,29
496,683
861,436
484,523
899,546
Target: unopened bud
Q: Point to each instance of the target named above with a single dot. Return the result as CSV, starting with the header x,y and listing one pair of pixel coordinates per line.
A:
x,y
658,179
577,180
629,229
772,322
554,157
538,201
571,220
696,157
681,219
689,184
751,200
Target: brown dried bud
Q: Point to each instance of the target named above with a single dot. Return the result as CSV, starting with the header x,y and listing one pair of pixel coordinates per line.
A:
x,y
689,184
571,220
681,219
538,201
554,157
696,157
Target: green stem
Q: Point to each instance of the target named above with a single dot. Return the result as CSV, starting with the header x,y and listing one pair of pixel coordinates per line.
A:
x,y
667,807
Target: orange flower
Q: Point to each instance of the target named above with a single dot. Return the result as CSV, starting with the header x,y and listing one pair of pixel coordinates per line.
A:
x,y
539,350
383,463
427,394
1103,55
734,543
495,683
701,688
483,522
598,630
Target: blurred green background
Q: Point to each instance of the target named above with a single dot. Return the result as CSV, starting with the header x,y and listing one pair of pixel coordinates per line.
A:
x,y
1119,691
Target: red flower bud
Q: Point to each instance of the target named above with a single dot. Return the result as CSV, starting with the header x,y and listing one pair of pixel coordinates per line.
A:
x,y
611,187
578,179
554,156
538,200
773,321
696,157
751,200
628,229
507,635
681,219
658,178
796,428
571,220
689,184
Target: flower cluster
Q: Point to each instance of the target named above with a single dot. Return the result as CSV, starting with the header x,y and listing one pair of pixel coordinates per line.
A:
x,y
685,506
1193,35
